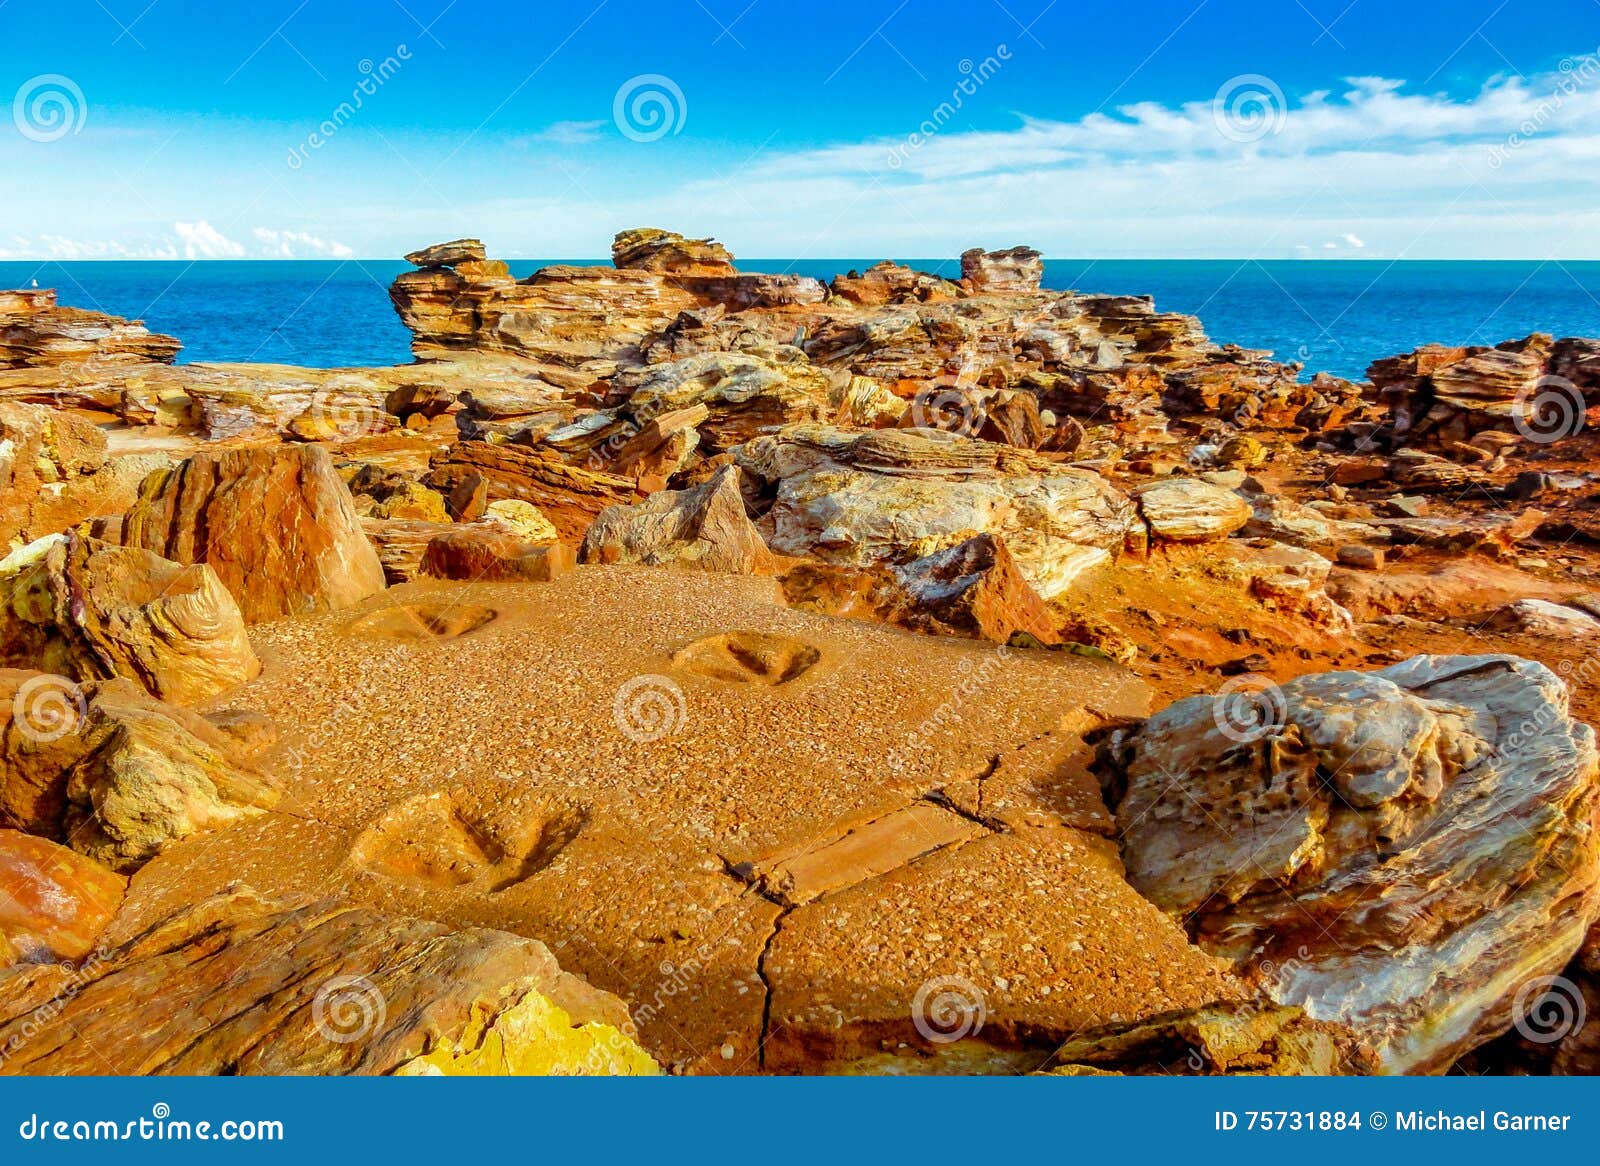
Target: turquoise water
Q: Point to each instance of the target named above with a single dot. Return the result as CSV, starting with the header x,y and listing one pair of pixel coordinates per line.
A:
x,y
1335,315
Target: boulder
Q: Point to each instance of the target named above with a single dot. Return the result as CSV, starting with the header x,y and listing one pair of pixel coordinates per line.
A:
x,y
241,984
898,494
50,463
276,524
1398,851
89,610
1190,510
54,902
485,552
522,519
113,772
972,589
664,446
704,527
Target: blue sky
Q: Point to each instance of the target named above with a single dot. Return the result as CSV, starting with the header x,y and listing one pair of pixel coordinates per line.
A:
x,y
913,128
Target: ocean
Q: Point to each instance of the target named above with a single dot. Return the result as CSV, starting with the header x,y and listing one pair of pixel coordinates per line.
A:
x,y
1334,315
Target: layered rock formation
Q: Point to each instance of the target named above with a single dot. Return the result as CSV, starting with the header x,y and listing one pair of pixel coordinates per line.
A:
x,y
1398,850
896,495
1536,388
704,527
36,332
115,774
312,988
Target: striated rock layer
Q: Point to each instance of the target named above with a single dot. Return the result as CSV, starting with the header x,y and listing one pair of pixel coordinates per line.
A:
x,y
1399,851
242,984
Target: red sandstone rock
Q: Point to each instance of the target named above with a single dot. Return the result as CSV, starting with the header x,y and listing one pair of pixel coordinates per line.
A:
x,y
485,552
276,525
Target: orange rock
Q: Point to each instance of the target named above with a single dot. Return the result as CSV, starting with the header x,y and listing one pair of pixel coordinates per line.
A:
x,y
972,589
571,497
485,552
239,984
277,525
704,527
54,902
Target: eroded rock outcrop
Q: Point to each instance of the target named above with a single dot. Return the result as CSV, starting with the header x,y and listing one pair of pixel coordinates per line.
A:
x,y
570,497
704,527
277,525
1536,388
319,988
971,589
36,332
897,495
1398,851
91,611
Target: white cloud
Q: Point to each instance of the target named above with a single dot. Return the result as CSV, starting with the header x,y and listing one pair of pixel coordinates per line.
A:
x,y
200,240
569,133
1374,166
298,245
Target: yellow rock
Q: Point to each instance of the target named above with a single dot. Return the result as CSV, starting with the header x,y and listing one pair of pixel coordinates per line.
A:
x,y
525,519
535,1038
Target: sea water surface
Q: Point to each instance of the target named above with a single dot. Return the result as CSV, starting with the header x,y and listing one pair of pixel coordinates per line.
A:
x,y
1333,315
